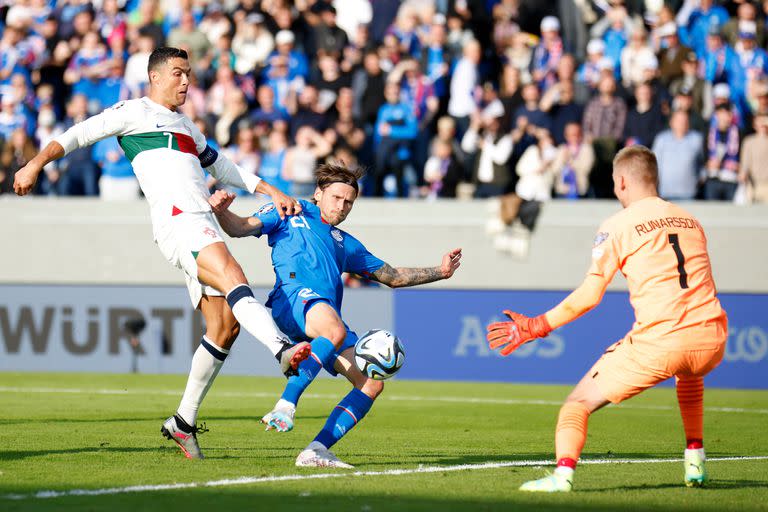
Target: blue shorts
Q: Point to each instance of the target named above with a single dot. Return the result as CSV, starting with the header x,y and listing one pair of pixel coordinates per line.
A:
x,y
289,310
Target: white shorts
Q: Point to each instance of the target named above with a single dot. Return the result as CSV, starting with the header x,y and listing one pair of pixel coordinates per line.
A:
x,y
180,238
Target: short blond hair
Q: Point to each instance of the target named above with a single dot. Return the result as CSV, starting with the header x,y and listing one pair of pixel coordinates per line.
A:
x,y
639,162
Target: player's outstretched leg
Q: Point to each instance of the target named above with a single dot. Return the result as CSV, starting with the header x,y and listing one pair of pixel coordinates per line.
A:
x,y
570,436
281,417
344,417
690,397
255,318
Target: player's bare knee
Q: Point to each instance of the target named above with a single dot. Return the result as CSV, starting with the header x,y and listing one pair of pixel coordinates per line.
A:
x,y
337,334
372,388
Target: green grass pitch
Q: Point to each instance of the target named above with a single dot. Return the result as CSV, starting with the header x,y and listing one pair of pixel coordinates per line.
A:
x,y
91,431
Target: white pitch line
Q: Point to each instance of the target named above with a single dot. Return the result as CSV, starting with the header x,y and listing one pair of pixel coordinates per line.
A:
x,y
396,398
250,480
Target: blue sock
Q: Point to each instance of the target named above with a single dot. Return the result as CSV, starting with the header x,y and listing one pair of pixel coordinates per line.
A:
x,y
308,370
344,417
324,350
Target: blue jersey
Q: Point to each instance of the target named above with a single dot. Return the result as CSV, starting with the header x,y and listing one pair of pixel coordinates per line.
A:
x,y
308,253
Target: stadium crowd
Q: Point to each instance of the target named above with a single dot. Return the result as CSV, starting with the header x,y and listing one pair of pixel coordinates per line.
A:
x,y
437,98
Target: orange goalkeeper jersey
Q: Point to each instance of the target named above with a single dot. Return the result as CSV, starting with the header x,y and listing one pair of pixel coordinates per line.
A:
x,y
662,251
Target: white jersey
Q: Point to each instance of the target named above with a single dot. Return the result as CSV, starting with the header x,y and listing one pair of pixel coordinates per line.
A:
x,y
167,151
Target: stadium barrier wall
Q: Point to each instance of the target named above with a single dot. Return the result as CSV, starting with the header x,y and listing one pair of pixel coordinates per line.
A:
x,y
72,271
81,328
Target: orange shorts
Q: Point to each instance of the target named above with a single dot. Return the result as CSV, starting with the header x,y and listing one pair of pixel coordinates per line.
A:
x,y
623,371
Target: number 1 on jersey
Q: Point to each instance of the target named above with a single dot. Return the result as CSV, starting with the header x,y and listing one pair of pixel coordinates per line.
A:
x,y
675,242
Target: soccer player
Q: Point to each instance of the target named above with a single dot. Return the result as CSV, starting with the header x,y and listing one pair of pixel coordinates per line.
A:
x,y
309,254
680,328
168,154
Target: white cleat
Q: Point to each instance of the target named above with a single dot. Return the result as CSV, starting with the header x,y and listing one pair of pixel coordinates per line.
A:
x,y
695,468
280,419
318,456
554,482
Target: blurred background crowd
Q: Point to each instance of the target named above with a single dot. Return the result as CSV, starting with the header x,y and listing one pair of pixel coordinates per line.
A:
x,y
521,99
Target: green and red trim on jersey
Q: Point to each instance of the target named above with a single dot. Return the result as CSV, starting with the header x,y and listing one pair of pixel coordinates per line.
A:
x,y
136,143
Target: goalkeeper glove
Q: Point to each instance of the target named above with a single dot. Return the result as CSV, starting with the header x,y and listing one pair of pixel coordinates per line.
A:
x,y
510,335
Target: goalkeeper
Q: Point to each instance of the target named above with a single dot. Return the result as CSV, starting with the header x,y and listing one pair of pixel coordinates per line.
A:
x,y
680,329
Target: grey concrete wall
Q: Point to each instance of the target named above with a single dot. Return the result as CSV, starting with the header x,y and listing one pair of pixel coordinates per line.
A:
x,y
92,242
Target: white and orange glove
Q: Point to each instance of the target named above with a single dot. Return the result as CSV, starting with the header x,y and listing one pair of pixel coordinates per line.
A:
x,y
510,335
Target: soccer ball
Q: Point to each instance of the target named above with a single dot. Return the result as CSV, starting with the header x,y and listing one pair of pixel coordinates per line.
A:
x,y
379,354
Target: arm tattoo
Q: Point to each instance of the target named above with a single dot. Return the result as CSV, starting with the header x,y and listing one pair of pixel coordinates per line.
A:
x,y
400,277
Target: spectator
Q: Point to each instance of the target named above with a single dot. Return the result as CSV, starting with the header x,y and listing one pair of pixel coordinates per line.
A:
x,y
645,120
252,44
301,161
307,110
566,72
285,53
754,155
188,35
17,151
490,175
442,172
215,24
87,68
268,111
464,81
368,89
547,53
79,174
136,77
272,166
10,117
573,163
559,104
604,119
615,29
684,101
721,64
117,181
690,81
635,58
707,17
147,20
722,168
672,55
589,72
244,152
396,128
330,39
233,119
679,154
435,58
746,12
47,129
535,170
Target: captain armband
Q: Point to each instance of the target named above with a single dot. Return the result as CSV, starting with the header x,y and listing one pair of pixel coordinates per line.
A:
x,y
208,156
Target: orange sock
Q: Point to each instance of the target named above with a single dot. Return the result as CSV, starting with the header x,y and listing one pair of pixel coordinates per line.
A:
x,y
571,433
690,397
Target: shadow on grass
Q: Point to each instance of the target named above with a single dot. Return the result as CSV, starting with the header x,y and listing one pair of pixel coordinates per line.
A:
x,y
327,500
714,485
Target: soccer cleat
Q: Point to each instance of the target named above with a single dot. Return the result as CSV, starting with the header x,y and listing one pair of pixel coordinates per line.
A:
x,y
291,355
184,435
318,456
695,469
553,482
280,419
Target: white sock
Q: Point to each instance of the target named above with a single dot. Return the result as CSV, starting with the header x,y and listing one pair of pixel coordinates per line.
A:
x,y
284,404
203,372
697,451
316,445
257,320
564,471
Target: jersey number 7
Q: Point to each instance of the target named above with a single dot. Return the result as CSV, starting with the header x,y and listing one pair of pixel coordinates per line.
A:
x,y
675,242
